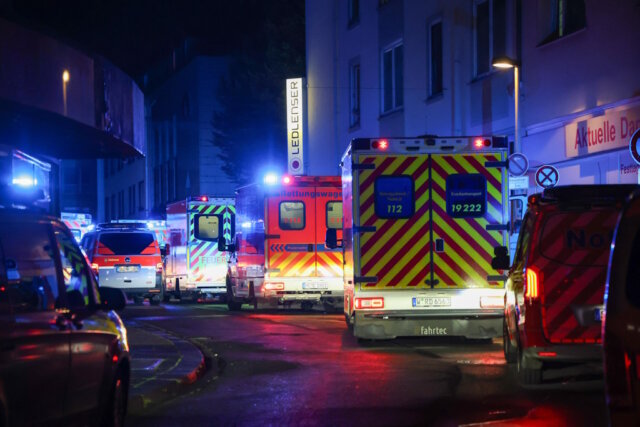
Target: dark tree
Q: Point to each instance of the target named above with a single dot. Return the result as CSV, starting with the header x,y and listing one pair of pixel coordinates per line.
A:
x,y
250,130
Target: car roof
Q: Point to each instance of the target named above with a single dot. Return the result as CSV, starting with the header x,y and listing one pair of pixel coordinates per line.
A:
x,y
24,215
572,195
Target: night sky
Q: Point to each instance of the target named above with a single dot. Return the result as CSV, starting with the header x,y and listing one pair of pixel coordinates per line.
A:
x,y
135,34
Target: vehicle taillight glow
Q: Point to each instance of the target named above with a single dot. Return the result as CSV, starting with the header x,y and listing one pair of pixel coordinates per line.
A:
x,y
286,179
531,284
369,303
95,267
478,143
204,199
274,286
159,267
547,354
381,144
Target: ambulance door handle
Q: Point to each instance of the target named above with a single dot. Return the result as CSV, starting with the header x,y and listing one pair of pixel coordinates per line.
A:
x,y
439,245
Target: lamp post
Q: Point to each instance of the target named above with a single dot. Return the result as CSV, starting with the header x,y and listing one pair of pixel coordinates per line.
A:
x,y
505,62
65,80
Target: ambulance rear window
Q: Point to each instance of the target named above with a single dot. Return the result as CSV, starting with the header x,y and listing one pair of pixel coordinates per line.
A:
x,y
394,197
334,215
576,238
466,195
207,227
123,243
292,215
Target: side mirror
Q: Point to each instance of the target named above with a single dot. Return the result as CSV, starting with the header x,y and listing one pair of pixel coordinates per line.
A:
x,y
223,246
331,239
500,261
166,250
112,299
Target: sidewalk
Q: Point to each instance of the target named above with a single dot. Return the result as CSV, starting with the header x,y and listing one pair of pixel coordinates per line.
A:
x,y
161,364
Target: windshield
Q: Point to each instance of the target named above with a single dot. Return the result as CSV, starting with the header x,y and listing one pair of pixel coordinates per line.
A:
x,y
125,243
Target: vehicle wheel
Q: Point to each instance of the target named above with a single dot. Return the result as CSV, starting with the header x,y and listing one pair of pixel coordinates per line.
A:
x,y
155,300
528,376
510,351
233,305
117,408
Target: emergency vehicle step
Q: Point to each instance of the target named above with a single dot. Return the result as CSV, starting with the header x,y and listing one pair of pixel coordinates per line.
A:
x,y
497,227
365,279
364,229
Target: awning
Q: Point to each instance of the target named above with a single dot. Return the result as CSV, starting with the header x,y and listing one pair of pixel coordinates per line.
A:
x,y
42,132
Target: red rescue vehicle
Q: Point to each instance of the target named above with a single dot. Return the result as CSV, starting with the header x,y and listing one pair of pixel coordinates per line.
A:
x,y
280,252
555,287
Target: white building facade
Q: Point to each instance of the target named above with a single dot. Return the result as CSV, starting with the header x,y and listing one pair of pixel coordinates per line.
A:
x,y
385,68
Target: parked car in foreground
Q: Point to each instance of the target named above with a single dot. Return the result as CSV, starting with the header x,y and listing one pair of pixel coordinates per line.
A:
x,y
555,287
621,323
64,355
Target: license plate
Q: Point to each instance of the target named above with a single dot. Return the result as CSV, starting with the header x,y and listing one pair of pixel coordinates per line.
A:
x,y
314,285
127,268
598,313
431,301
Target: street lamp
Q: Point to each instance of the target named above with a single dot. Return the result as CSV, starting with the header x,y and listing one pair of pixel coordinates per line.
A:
x,y
65,80
505,62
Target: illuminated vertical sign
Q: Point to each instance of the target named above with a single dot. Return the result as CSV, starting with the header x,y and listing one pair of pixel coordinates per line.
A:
x,y
295,125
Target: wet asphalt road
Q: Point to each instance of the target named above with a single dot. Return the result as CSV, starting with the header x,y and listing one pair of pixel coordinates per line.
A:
x,y
292,368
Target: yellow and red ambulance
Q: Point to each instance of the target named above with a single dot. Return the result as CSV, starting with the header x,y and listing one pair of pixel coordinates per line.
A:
x,y
280,253
421,219
200,229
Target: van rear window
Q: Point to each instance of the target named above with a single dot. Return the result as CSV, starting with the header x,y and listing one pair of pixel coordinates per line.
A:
x,y
334,215
576,238
292,215
207,227
124,243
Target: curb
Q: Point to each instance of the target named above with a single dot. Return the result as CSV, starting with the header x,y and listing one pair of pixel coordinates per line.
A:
x,y
170,388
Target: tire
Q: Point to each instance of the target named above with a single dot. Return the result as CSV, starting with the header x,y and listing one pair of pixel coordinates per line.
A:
x,y
347,320
528,376
155,300
510,351
231,303
117,404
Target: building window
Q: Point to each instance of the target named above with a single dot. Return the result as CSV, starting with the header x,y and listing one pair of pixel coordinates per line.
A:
x,y
353,12
435,58
354,94
132,199
490,33
392,84
120,204
141,196
560,18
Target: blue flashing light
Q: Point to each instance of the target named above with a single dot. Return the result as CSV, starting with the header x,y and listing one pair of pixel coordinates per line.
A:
x,y
246,224
25,181
270,179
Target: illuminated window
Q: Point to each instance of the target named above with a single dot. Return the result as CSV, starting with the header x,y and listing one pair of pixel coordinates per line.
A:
x,y
334,215
292,215
392,78
207,227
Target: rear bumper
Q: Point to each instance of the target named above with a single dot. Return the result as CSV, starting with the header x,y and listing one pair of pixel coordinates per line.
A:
x,y
392,324
575,353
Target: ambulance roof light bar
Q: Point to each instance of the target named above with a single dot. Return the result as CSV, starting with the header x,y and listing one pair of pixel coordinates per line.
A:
x,y
431,141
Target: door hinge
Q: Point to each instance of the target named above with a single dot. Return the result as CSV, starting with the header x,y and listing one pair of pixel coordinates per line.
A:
x,y
497,227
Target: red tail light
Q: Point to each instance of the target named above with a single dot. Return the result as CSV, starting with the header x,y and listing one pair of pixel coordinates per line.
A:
x,y
95,267
286,180
204,199
381,144
547,354
531,284
369,303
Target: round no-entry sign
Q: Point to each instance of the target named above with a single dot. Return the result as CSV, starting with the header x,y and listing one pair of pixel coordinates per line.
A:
x,y
547,176
633,146
518,164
